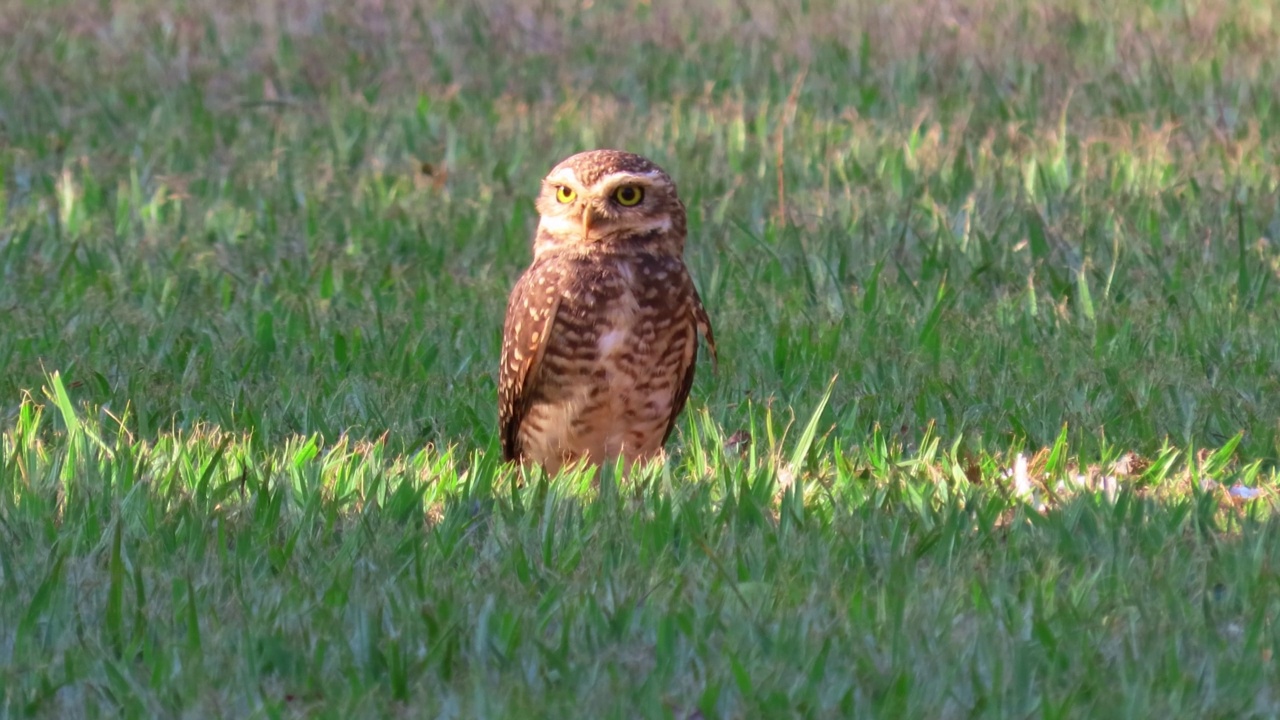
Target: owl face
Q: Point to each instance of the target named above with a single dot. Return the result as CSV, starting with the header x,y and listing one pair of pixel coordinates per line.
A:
x,y
608,198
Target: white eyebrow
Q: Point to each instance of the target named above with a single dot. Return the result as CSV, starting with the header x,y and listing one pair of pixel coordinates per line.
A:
x,y
563,176
621,178
651,175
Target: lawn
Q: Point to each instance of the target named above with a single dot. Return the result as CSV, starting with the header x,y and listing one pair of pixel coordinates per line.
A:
x,y
994,433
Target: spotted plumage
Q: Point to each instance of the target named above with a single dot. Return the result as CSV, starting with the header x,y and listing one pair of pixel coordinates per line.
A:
x,y
600,339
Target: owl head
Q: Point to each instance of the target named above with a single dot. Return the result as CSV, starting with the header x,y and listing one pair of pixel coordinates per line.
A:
x,y
609,201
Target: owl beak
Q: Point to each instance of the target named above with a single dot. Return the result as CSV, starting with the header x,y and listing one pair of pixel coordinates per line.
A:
x,y
587,217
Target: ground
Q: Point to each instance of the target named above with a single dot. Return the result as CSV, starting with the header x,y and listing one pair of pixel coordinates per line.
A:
x,y
994,431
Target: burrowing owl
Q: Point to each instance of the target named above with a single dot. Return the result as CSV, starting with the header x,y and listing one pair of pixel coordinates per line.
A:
x,y
601,334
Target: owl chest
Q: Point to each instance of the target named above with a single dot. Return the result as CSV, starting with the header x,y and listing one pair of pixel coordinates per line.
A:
x,y
617,334
617,337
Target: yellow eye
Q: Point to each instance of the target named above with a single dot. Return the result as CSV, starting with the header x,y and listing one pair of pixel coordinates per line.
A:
x,y
565,194
628,195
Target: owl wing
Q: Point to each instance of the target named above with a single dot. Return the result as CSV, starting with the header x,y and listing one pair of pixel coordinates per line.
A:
x,y
701,324
530,312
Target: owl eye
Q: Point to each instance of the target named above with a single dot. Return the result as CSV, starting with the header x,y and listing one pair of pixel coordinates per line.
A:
x,y
628,195
565,194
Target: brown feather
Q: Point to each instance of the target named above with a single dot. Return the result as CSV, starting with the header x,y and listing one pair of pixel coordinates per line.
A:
x,y
702,323
530,313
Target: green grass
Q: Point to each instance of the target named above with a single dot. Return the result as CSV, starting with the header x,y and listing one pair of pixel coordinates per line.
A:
x,y
253,264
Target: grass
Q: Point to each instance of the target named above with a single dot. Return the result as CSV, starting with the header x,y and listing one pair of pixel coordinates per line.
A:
x,y
253,262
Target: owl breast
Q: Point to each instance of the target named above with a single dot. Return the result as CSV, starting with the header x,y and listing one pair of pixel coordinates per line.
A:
x,y
622,340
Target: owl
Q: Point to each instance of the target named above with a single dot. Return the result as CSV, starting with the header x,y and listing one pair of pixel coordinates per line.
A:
x,y
601,333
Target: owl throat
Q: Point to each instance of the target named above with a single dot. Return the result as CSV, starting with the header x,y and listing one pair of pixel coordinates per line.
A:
x,y
619,242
